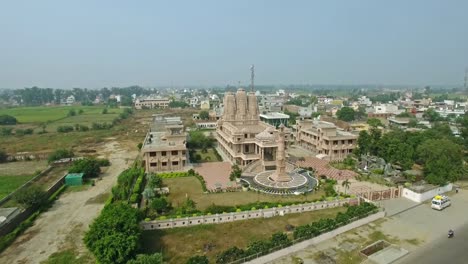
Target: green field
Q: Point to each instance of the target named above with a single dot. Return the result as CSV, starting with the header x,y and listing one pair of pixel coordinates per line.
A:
x,y
41,114
173,242
9,183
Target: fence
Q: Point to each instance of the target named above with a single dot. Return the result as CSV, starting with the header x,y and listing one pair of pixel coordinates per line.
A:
x,y
15,221
8,197
311,240
245,215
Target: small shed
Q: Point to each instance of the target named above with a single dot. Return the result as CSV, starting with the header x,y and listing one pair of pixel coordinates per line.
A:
x,y
74,179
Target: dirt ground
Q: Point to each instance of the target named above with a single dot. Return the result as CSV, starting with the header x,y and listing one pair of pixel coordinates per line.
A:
x,y
62,226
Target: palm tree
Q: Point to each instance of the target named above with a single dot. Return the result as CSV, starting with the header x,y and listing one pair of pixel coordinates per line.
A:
x,y
346,183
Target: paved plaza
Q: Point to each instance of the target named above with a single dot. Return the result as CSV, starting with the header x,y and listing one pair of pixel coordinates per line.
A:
x,y
323,168
216,174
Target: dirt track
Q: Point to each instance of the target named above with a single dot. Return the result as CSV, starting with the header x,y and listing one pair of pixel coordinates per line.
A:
x,y
63,225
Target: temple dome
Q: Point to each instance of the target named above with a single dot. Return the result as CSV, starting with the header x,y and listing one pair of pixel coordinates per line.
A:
x,y
265,135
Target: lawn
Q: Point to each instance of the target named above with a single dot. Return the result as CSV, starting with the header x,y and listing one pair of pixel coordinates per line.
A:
x,y
190,186
209,156
40,114
9,183
174,245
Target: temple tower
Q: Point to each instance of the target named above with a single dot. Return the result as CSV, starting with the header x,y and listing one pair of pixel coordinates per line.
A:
x,y
241,105
229,106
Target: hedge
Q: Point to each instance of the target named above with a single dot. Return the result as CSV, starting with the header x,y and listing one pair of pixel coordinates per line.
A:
x,y
169,175
281,240
137,189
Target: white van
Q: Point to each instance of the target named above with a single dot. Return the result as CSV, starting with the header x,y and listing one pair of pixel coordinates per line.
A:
x,y
439,202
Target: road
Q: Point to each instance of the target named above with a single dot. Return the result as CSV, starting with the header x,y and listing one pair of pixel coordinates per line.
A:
x,y
442,250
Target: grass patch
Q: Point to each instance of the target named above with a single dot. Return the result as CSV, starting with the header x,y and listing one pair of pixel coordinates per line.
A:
x,y
40,114
209,156
352,257
99,199
191,186
22,167
9,183
379,235
414,241
68,257
219,237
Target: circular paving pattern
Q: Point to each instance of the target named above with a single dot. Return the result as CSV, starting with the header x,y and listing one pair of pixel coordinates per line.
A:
x,y
264,179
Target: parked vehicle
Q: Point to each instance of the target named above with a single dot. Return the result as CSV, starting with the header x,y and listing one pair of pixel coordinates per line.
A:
x,y
439,202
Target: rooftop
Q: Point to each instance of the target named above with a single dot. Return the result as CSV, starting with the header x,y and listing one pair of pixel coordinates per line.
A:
x,y
274,115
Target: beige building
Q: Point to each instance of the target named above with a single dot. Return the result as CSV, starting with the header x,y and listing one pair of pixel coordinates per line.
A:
x,y
152,103
164,148
325,139
242,136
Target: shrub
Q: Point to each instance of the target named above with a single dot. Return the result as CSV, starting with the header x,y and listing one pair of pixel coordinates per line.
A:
x,y
89,166
230,255
64,129
30,196
71,112
8,120
60,154
155,258
22,132
103,162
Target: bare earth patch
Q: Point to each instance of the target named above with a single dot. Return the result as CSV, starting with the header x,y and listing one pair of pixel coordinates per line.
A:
x,y
62,227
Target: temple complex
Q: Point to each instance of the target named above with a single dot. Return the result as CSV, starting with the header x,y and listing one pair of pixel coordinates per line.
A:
x,y
242,136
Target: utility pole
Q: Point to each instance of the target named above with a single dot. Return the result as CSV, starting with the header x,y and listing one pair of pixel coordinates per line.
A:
x,y
252,76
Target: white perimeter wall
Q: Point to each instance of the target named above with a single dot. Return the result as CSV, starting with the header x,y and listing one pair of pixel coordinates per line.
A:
x,y
421,197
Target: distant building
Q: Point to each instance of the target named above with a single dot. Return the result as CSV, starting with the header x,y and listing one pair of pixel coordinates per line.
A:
x,y
205,105
275,119
150,102
70,100
164,147
325,139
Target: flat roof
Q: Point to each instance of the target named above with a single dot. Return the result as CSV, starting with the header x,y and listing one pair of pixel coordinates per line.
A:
x,y
274,115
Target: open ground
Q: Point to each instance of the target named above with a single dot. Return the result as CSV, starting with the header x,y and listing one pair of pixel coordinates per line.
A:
x,y
62,227
180,188
213,239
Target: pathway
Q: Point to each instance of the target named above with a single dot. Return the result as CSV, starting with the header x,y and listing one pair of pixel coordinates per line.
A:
x,y
63,225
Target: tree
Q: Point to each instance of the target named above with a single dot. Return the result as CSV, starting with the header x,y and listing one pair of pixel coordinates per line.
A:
x,y
89,166
8,120
104,111
364,143
431,115
60,154
155,258
160,205
31,196
204,115
236,172
197,260
154,180
346,183
374,122
442,160
346,114
3,156
114,236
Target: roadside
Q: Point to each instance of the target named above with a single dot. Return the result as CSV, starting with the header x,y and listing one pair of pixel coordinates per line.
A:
x,y
62,227
411,226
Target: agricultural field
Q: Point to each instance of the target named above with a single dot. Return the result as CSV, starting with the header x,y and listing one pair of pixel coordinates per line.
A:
x,y
9,183
42,114
211,240
179,188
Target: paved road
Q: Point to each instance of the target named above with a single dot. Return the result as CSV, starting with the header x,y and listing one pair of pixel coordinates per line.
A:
x,y
442,250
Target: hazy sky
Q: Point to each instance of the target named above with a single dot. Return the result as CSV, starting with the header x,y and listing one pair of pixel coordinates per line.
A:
x,y
96,43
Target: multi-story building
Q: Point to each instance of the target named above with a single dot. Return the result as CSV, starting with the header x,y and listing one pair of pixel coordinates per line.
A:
x,y
242,136
164,148
325,139
149,102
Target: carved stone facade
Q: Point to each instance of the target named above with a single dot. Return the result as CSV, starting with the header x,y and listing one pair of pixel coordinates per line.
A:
x,y
242,136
